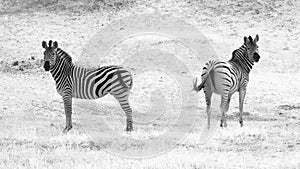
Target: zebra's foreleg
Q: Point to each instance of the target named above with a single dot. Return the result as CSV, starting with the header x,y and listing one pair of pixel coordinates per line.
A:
x,y
242,94
68,112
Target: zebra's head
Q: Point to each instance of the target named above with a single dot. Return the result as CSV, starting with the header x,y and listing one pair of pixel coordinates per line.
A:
x,y
50,54
252,48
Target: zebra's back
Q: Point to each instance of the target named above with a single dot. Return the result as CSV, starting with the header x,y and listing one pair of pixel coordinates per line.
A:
x,y
96,83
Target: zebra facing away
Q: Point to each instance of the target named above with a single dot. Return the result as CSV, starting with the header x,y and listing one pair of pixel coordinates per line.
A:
x,y
73,81
225,78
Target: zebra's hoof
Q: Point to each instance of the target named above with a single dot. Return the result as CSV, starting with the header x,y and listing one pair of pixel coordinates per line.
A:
x,y
129,128
67,128
222,124
241,122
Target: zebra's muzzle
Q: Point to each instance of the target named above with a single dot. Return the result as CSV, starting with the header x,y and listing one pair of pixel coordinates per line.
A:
x,y
256,57
47,66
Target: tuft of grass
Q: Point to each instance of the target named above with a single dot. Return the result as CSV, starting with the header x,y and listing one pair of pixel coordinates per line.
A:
x,y
25,65
73,6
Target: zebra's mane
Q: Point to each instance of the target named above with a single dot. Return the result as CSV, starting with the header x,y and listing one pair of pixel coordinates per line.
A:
x,y
240,59
64,55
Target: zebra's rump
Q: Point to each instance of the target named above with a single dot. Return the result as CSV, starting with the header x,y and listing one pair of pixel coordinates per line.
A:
x,y
112,78
221,77
96,83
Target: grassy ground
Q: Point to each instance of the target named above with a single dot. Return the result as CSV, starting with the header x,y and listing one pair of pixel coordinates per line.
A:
x,y
31,112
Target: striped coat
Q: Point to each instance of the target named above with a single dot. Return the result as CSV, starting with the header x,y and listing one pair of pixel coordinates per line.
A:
x,y
226,78
78,82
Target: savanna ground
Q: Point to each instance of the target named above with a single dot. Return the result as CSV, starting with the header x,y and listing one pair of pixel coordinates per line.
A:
x,y
32,115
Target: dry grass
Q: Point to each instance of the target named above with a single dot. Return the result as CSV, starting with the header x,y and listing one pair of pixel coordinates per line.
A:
x,y
69,6
31,112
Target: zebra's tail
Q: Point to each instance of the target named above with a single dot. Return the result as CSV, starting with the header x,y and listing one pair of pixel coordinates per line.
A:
x,y
206,75
199,87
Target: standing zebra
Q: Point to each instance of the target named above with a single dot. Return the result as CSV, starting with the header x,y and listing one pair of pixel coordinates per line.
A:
x,y
73,81
225,78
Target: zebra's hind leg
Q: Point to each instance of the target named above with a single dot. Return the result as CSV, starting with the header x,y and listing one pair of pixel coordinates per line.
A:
x,y
122,97
227,105
242,94
223,106
208,95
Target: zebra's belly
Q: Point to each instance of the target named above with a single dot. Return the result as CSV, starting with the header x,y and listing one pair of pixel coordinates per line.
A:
x,y
80,94
87,95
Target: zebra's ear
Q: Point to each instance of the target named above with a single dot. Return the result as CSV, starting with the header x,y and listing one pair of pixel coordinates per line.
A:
x,y
256,38
55,44
250,39
50,44
44,44
246,40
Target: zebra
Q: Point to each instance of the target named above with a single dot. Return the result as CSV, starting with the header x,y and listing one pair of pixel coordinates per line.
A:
x,y
77,82
226,78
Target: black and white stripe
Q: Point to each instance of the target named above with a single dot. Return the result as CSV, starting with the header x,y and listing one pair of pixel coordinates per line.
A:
x,y
225,78
78,82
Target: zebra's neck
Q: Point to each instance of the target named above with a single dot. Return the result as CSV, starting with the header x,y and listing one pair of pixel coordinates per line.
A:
x,y
63,66
240,59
